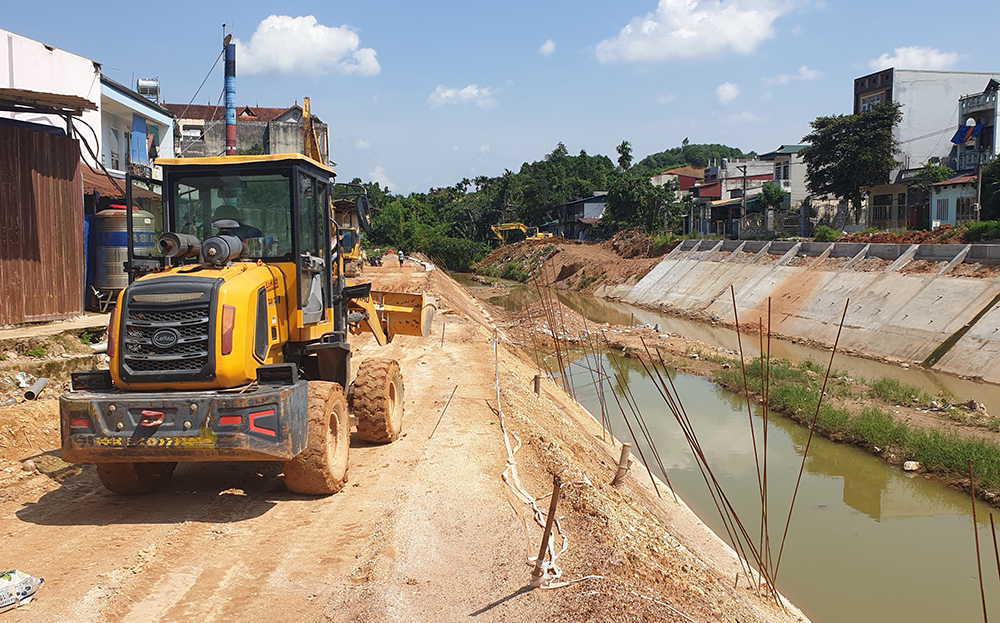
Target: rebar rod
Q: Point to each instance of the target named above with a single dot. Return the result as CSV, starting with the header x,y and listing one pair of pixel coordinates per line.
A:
x,y
812,430
975,531
996,552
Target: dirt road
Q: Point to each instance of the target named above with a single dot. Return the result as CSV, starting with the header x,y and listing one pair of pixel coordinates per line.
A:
x,y
426,529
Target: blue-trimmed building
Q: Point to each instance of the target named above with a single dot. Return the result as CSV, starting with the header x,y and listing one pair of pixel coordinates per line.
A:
x,y
134,129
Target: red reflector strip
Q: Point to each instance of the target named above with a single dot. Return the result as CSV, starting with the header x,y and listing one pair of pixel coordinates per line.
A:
x,y
260,429
230,420
79,422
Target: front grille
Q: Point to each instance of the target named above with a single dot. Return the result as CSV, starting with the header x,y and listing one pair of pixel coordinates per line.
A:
x,y
188,329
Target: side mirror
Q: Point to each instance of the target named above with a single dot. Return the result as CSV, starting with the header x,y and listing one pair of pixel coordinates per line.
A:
x,y
364,215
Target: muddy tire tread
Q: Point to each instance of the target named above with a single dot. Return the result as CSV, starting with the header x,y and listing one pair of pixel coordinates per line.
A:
x,y
370,400
319,469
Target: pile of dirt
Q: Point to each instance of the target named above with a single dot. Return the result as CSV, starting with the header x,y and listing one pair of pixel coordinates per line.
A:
x,y
945,234
564,264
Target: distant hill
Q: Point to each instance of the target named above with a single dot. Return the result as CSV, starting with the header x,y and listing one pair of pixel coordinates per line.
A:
x,y
692,154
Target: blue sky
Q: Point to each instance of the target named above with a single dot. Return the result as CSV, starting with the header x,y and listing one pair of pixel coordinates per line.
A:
x,y
424,94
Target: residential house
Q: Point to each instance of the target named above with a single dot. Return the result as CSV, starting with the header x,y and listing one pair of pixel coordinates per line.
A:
x,y
135,130
578,218
930,117
789,172
979,110
686,177
953,201
201,130
718,205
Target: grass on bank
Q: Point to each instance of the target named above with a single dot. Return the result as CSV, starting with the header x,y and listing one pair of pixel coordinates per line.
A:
x,y
794,391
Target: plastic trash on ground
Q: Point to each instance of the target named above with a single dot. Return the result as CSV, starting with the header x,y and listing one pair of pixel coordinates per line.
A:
x,y
17,589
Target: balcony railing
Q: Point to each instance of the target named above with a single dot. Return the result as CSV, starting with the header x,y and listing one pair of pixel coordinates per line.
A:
x,y
975,103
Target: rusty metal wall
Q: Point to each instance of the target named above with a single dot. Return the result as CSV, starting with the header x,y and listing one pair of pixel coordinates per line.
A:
x,y
41,226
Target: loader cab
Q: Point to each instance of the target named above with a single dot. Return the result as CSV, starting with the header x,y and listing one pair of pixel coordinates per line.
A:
x,y
281,207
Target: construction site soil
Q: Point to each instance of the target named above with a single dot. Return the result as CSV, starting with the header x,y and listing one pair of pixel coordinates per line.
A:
x,y
427,529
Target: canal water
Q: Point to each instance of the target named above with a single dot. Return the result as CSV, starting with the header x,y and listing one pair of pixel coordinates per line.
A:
x,y
867,542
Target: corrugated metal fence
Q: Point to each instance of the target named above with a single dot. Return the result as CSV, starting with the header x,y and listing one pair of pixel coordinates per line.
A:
x,y
41,226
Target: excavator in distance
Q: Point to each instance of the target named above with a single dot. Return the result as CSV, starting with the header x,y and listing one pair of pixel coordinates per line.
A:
x,y
530,233
233,345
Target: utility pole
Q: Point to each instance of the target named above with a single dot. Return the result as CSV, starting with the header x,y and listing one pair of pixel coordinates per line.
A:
x,y
743,198
979,182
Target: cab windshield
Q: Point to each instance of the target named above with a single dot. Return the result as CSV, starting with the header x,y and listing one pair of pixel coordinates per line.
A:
x,y
260,203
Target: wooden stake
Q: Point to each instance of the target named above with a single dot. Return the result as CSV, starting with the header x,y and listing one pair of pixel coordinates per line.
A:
x,y
538,571
623,464
538,385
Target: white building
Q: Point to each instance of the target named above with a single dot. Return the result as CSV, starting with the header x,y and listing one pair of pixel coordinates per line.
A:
x,y
789,171
36,66
953,201
931,116
123,122
134,129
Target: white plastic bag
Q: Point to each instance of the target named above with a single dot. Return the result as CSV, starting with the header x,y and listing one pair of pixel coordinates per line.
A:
x,y
17,589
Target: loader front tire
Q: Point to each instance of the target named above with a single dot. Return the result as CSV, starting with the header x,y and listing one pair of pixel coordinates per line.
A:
x,y
135,478
378,400
321,469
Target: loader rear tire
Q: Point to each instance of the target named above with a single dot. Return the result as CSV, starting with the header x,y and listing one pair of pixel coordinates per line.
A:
x,y
321,469
378,400
135,478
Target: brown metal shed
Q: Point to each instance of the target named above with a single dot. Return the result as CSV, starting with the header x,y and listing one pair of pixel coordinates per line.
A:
x,y
41,226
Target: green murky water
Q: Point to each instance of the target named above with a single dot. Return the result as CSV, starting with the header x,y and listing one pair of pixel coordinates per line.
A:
x,y
867,542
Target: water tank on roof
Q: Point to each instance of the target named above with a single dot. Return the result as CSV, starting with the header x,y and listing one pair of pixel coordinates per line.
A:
x,y
112,245
149,88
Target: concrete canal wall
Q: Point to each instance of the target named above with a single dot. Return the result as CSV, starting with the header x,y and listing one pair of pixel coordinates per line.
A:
x,y
931,316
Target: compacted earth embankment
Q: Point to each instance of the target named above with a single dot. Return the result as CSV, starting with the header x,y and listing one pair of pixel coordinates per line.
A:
x,y
428,528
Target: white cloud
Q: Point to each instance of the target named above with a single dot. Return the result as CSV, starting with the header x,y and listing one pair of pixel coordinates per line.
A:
x,y
301,45
666,99
804,74
727,92
362,145
547,48
471,94
484,148
744,117
378,175
680,29
915,57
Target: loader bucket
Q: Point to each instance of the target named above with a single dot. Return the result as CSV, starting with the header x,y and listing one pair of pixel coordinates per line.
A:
x,y
398,313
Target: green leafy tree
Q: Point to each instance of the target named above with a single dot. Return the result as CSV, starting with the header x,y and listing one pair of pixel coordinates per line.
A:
x,y
772,196
633,201
848,153
696,155
990,189
624,155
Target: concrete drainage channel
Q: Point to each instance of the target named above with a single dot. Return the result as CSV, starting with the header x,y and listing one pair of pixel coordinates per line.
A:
x,y
936,314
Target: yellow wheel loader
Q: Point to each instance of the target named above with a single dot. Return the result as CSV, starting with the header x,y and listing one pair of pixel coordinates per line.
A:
x,y
231,341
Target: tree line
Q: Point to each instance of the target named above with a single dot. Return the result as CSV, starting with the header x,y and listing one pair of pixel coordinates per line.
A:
x,y
452,223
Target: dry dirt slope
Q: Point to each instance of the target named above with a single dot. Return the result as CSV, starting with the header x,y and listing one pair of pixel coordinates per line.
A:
x,y
425,531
